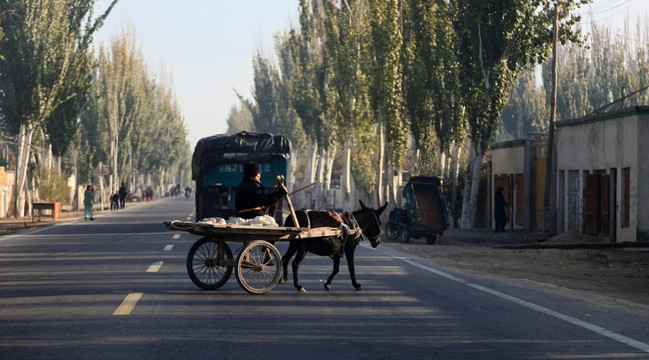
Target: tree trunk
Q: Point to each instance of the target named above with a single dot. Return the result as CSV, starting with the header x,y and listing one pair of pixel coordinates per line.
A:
x,y
327,162
346,180
381,159
396,185
75,197
114,185
455,174
131,173
24,145
442,164
330,156
311,163
472,187
320,162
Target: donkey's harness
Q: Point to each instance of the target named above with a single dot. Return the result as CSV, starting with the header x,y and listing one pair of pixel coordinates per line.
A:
x,y
349,227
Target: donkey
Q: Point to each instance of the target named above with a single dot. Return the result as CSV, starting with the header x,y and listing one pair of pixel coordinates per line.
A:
x,y
367,219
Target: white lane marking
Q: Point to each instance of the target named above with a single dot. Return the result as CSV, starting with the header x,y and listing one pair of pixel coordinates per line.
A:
x,y
176,236
155,266
168,247
128,304
588,326
188,218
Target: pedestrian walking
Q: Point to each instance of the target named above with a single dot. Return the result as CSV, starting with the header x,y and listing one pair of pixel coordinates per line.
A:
x,y
88,201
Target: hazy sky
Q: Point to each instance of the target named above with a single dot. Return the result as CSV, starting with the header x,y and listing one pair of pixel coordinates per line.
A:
x,y
207,45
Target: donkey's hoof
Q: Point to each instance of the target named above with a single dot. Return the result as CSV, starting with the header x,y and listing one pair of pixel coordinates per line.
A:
x,y
358,287
281,281
327,287
301,289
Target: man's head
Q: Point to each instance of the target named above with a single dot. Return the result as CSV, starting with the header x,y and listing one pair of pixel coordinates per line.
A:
x,y
251,170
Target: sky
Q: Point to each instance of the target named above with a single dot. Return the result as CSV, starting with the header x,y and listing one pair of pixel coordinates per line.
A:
x,y
207,46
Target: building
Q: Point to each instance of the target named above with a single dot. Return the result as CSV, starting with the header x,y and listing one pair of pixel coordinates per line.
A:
x,y
519,168
602,167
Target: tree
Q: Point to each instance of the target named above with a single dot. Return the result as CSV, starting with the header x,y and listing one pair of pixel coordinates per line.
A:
x,y
496,40
45,45
385,91
431,84
121,81
347,90
526,111
239,119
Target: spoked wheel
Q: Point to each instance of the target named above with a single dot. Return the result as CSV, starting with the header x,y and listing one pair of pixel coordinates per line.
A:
x,y
392,230
404,235
259,267
204,266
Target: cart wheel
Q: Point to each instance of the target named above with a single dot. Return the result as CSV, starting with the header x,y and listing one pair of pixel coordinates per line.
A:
x,y
404,236
203,264
392,231
259,267
431,239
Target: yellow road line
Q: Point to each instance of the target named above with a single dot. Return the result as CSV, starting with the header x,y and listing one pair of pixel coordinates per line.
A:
x,y
128,304
155,266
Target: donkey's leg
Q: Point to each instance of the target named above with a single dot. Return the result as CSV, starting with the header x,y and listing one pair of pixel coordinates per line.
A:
x,y
285,259
301,254
349,253
336,269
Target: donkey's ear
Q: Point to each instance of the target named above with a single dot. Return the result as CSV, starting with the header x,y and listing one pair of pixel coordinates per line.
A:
x,y
362,205
382,208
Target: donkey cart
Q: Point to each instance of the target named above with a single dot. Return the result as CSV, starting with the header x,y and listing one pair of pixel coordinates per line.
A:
x,y
424,214
258,263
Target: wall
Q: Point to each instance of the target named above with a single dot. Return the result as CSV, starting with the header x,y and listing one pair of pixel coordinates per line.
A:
x,y
508,158
643,173
602,143
524,164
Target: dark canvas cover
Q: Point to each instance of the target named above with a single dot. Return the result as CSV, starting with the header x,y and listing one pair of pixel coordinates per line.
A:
x,y
237,149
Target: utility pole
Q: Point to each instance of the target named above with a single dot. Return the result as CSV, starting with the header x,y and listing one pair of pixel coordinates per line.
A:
x,y
549,198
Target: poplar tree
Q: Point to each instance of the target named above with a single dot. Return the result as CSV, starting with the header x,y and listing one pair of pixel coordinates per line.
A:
x,y
385,92
46,41
496,40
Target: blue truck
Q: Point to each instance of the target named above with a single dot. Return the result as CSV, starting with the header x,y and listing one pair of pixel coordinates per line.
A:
x,y
217,168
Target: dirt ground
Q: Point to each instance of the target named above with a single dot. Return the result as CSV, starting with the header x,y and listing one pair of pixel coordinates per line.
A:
x,y
613,275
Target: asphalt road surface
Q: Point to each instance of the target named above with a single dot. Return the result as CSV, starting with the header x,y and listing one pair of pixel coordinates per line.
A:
x,y
117,288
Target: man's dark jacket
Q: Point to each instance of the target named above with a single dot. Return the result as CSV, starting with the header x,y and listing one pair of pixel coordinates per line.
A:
x,y
251,194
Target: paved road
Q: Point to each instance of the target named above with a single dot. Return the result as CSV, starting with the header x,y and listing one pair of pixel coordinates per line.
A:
x,y
61,287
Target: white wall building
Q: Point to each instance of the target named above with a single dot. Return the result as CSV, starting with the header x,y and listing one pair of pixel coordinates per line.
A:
x,y
602,169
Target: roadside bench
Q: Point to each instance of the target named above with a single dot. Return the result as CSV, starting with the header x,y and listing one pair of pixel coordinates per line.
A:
x,y
41,209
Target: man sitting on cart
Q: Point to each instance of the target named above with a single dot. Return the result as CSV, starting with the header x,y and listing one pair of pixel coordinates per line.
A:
x,y
251,199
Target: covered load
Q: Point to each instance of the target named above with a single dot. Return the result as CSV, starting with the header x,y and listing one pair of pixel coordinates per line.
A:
x,y
218,162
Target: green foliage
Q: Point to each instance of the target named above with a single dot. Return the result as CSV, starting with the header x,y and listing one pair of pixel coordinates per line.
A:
x,y
133,122
54,187
589,78
46,64
431,80
496,42
386,87
526,111
593,77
